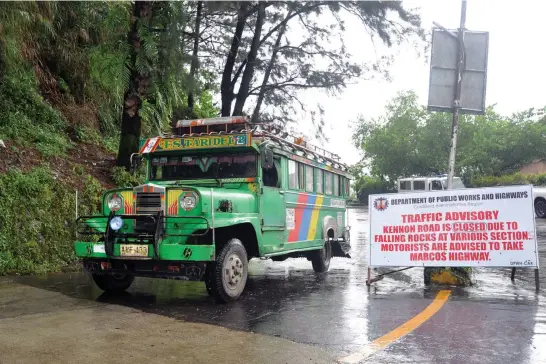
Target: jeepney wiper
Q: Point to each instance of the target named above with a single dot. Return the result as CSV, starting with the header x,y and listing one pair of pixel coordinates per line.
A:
x,y
216,175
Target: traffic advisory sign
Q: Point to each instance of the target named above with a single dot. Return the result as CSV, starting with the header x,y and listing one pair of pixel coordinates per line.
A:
x,y
478,227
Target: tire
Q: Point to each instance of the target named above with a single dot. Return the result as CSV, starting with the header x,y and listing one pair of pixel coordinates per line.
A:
x,y
227,276
114,283
540,208
321,258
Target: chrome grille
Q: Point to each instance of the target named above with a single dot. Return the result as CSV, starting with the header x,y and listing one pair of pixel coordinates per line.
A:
x,y
148,200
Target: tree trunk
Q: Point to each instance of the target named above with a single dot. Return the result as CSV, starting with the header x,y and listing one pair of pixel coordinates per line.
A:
x,y
263,88
227,86
136,90
244,87
195,61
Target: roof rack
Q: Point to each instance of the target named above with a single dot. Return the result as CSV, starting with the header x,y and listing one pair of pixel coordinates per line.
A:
x,y
211,125
234,124
298,142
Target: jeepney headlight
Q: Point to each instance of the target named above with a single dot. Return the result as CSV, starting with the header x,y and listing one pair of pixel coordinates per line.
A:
x,y
115,202
188,202
116,223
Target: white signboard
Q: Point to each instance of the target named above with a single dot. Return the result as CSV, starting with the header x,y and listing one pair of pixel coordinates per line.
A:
x,y
478,227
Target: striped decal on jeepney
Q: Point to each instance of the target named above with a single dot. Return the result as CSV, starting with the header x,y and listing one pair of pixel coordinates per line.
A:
x,y
315,218
307,216
128,202
309,210
172,201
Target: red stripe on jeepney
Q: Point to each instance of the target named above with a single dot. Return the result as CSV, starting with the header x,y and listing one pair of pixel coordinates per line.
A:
x,y
299,209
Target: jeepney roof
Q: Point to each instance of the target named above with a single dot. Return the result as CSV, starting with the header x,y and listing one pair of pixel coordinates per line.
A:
x,y
237,131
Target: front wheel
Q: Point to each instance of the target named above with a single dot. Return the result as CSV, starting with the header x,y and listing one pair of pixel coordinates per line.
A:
x,y
540,208
114,283
321,258
227,276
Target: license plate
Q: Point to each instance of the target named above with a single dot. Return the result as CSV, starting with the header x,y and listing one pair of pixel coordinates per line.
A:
x,y
130,250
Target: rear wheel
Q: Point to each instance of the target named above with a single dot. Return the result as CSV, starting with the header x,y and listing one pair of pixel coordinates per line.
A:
x,y
540,208
321,258
226,277
114,283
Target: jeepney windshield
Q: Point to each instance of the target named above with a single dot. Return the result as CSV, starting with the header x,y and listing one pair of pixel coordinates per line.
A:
x,y
203,166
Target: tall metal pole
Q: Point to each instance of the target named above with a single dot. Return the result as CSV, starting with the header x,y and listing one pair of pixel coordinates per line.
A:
x,y
457,98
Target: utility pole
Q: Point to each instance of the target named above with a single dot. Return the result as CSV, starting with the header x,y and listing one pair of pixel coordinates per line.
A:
x,y
457,97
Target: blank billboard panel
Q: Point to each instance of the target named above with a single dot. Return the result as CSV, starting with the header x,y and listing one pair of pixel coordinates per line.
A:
x,y
443,71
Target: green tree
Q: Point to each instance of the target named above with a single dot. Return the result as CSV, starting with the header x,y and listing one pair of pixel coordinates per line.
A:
x,y
287,49
408,140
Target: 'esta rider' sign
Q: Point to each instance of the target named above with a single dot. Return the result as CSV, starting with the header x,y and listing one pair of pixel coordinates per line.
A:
x,y
488,227
195,142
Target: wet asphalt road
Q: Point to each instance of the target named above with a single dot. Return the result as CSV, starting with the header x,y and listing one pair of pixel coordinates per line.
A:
x,y
495,321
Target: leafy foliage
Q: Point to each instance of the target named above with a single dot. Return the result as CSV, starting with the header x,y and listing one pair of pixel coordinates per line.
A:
x,y
123,178
509,179
300,48
27,118
28,242
407,140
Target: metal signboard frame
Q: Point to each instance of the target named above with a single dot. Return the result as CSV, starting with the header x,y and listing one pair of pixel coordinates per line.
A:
x,y
443,71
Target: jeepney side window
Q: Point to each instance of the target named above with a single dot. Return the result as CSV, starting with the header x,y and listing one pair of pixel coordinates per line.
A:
x,y
309,179
436,185
301,176
328,182
419,185
405,185
336,185
292,175
271,176
319,181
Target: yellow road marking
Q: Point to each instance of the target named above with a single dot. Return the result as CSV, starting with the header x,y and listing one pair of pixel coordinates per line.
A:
x,y
400,331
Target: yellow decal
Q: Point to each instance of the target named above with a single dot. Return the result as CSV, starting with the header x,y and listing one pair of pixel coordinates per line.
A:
x,y
172,201
315,218
253,187
128,202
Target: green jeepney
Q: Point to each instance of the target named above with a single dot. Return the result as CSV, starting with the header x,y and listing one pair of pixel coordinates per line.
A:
x,y
218,192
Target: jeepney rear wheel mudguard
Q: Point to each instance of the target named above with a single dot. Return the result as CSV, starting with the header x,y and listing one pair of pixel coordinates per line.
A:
x,y
340,245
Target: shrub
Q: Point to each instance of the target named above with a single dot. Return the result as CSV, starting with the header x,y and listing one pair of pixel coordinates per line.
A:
x,y
122,178
510,179
27,118
369,185
37,220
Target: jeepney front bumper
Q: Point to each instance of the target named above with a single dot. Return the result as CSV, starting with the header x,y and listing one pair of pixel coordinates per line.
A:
x,y
152,236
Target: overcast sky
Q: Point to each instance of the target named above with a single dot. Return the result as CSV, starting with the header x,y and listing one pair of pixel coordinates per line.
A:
x,y
515,79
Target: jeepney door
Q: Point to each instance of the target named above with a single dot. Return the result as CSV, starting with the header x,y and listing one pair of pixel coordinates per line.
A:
x,y
272,204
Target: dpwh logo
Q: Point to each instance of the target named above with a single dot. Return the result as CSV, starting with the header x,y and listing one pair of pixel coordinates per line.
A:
x,y
381,203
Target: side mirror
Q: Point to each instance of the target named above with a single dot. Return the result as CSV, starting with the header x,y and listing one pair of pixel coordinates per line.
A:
x,y
135,162
267,158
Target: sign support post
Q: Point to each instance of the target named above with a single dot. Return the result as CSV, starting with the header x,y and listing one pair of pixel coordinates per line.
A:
x,y
537,282
457,97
